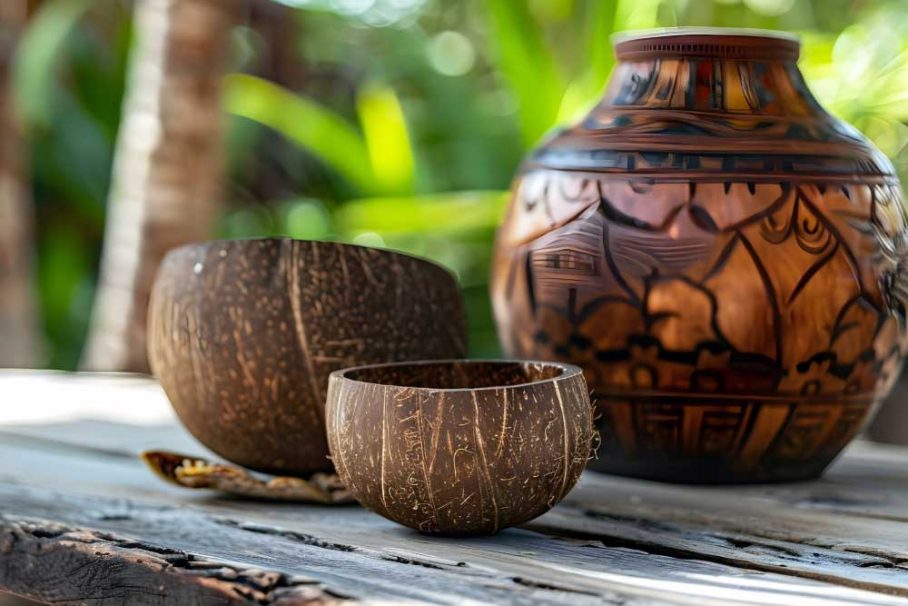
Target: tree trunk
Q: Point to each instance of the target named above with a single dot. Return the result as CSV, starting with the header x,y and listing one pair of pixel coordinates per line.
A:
x,y
168,173
280,60
19,335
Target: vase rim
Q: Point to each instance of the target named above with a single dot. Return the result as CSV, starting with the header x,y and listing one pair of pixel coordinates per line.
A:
x,y
720,42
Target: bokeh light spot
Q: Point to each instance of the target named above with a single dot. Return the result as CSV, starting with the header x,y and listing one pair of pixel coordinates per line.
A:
x,y
451,53
308,220
369,238
770,8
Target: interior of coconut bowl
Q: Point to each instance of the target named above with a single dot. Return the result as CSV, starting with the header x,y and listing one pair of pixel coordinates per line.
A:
x,y
457,374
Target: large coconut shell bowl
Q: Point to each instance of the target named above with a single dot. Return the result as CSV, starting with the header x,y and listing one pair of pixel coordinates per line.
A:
x,y
244,334
725,260
459,447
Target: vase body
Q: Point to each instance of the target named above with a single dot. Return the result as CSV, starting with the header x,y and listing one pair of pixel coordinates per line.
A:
x,y
720,255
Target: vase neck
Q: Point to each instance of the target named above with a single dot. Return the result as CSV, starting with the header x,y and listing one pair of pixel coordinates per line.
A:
x,y
769,87
711,106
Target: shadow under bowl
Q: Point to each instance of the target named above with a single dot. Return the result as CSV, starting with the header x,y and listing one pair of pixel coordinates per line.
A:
x,y
243,335
459,447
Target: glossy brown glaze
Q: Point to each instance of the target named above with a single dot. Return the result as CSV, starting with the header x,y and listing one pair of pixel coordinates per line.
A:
x,y
459,447
244,333
724,259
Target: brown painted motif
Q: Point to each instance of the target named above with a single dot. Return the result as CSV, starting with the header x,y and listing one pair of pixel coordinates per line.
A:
x,y
724,259
459,447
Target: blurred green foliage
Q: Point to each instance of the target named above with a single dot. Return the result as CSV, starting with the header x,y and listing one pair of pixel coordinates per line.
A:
x,y
401,122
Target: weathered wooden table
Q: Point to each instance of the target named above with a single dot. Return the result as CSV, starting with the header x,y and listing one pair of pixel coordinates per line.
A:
x,y
82,521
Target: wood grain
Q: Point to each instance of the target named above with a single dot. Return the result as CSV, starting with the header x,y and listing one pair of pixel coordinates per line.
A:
x,y
369,561
840,540
59,564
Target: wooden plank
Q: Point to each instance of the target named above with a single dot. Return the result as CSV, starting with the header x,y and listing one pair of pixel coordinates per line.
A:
x,y
517,566
872,481
56,563
742,527
347,569
584,567
792,543
33,396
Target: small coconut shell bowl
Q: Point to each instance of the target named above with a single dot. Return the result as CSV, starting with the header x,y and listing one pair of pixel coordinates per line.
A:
x,y
459,447
244,333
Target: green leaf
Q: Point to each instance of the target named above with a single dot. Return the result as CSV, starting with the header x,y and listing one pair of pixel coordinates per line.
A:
x,y
636,14
527,64
600,26
429,214
40,50
323,133
453,229
390,152
65,287
586,90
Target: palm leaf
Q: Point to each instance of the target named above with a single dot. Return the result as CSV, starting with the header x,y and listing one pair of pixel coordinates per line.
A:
x,y
41,47
429,214
387,141
527,64
322,132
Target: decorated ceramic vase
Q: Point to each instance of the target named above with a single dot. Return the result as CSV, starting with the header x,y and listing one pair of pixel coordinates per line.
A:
x,y
723,257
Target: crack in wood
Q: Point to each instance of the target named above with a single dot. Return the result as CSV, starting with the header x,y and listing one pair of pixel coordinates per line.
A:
x,y
287,534
823,564
141,562
776,542
551,587
413,562
62,564
316,542
641,517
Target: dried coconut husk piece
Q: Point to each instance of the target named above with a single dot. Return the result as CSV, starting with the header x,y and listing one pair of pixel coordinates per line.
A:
x,y
193,472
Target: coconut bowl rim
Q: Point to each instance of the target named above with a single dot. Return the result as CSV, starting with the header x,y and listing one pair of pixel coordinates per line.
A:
x,y
568,371
275,239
